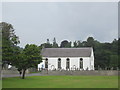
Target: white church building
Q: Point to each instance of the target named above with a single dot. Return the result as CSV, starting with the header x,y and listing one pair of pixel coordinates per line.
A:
x,y
67,59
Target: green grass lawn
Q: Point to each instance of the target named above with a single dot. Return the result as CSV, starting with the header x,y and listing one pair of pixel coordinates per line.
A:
x,y
62,82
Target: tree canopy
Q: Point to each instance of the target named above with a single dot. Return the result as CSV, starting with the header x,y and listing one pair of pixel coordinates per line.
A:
x,y
28,58
65,44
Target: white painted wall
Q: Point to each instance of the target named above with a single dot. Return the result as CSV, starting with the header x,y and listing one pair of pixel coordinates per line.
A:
x,y
74,61
52,63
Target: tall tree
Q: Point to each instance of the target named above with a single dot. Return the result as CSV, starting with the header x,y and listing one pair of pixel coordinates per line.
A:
x,y
90,42
79,44
9,41
75,44
0,49
55,45
119,53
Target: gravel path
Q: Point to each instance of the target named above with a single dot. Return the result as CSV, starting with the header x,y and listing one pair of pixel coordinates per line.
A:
x,y
17,75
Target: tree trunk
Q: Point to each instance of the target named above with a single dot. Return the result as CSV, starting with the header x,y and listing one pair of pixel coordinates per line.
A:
x,y
23,74
20,72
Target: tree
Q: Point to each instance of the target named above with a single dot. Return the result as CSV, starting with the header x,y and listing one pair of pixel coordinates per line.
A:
x,y
84,44
90,42
114,46
65,44
114,61
9,41
29,57
119,53
79,44
69,45
46,45
0,48
102,58
55,45
75,44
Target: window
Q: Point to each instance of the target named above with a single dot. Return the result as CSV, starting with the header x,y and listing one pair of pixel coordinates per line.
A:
x,y
67,63
46,63
81,63
59,63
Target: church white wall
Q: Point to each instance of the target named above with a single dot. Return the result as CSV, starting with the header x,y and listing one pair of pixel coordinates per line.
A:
x,y
88,62
63,63
74,63
52,63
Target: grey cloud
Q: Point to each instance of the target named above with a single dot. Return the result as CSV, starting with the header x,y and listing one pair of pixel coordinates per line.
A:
x,y
35,22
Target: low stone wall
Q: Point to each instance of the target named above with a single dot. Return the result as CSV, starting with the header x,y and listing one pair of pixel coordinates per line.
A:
x,y
74,73
95,73
8,72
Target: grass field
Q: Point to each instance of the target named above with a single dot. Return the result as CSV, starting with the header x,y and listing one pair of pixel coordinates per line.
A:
x,y
62,82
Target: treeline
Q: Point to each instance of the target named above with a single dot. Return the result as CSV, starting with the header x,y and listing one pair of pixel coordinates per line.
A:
x,y
106,54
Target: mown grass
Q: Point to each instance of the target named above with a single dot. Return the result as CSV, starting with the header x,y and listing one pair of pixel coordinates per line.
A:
x,y
61,82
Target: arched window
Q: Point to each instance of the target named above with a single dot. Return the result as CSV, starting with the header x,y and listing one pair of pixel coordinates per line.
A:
x,y
46,63
59,63
81,63
67,63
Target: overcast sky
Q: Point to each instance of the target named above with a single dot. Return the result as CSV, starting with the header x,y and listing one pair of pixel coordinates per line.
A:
x,y
35,22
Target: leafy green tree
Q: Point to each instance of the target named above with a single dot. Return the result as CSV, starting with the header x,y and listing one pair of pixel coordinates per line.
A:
x,y
28,58
84,43
46,45
9,41
65,44
114,61
69,45
114,46
90,42
101,59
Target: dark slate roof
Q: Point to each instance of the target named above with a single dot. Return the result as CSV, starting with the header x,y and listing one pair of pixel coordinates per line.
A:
x,y
66,52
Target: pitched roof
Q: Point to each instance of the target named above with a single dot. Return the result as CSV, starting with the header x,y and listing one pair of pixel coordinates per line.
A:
x,y
66,52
